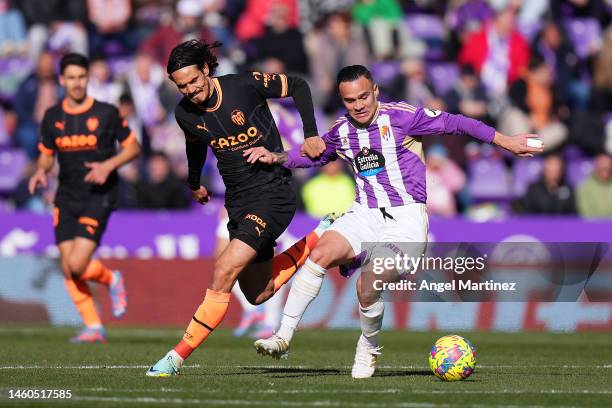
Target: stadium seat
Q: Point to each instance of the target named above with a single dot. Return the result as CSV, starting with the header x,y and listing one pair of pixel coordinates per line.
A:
x,y
442,76
12,165
425,26
577,170
584,33
384,72
525,172
489,180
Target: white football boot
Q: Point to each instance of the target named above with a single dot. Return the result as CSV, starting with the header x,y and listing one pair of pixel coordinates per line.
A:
x,y
365,359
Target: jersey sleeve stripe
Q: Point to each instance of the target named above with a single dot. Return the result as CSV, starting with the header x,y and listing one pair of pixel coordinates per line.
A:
x,y
128,140
284,85
45,150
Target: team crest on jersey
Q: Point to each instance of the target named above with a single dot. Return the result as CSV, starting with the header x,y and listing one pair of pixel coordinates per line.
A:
x,y
92,123
369,162
238,117
384,132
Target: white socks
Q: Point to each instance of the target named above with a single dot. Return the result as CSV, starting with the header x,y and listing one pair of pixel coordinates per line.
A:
x,y
304,289
371,318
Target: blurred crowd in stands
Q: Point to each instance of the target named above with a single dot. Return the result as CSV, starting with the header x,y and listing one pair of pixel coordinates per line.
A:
x,y
541,66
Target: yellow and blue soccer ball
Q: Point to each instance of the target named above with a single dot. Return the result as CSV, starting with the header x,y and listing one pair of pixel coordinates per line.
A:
x,y
452,358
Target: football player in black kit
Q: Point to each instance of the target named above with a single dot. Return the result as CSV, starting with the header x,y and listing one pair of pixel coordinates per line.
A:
x,y
230,114
82,132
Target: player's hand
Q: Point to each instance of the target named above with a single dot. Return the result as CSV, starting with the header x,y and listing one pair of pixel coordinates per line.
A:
x,y
98,172
255,154
38,179
523,145
313,147
201,195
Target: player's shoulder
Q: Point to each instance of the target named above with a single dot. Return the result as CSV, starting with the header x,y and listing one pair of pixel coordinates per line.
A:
x,y
398,107
104,108
54,111
341,120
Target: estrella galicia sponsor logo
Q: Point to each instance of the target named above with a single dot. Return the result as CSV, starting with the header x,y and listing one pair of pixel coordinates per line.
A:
x,y
369,162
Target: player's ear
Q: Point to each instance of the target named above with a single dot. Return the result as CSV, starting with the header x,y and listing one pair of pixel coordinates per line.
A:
x,y
376,90
61,80
205,69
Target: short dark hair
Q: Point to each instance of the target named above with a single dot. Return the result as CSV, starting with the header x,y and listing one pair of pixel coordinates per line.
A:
x,y
73,59
352,73
193,52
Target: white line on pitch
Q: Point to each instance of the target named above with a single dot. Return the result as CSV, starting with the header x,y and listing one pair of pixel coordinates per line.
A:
x,y
82,367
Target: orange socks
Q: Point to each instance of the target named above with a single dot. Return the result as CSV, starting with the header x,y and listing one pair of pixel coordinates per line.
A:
x,y
206,319
81,296
285,265
97,272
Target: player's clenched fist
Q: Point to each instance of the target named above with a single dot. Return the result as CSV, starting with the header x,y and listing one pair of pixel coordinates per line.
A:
x,y
201,195
38,179
313,147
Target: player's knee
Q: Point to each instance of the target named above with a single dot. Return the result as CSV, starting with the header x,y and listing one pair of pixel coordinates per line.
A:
x,y
76,266
321,257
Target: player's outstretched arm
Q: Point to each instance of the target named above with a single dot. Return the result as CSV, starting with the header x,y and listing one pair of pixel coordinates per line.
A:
x,y
524,144
99,171
292,159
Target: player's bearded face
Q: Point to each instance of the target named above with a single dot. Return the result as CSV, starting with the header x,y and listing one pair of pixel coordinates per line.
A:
x,y
193,83
74,80
360,98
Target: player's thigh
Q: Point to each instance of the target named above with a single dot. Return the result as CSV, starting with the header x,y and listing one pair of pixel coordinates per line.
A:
x,y
80,254
333,249
233,260
356,226
65,223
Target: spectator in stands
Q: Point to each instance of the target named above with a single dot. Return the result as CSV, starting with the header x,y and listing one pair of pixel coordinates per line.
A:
x,y
101,86
334,45
8,124
35,95
594,195
498,53
564,9
127,111
109,24
536,107
444,179
467,96
601,95
252,22
144,80
465,19
561,59
419,91
331,190
13,39
281,41
56,24
187,24
162,189
550,195
383,21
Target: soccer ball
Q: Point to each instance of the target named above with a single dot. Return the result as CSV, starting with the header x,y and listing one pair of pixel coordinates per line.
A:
x,y
452,358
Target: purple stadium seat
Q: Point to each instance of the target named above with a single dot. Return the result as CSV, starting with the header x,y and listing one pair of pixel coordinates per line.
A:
x,y
442,76
12,164
489,180
578,170
584,33
573,152
425,26
384,71
525,172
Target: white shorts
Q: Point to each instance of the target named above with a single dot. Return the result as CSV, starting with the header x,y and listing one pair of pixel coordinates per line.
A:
x,y
360,224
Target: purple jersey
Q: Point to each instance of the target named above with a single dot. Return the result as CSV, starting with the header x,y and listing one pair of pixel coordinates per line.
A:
x,y
387,156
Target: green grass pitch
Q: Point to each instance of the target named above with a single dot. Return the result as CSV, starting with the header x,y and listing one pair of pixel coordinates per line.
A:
x,y
514,370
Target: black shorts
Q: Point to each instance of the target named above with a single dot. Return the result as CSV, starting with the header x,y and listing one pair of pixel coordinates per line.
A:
x,y
259,216
80,220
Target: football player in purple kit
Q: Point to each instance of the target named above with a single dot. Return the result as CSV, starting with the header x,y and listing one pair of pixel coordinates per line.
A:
x,y
382,142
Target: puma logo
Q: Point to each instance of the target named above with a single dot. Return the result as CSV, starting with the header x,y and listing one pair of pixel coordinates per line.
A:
x,y
258,231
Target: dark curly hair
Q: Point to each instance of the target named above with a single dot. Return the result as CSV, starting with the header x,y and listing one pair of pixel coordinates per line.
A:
x,y
193,52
